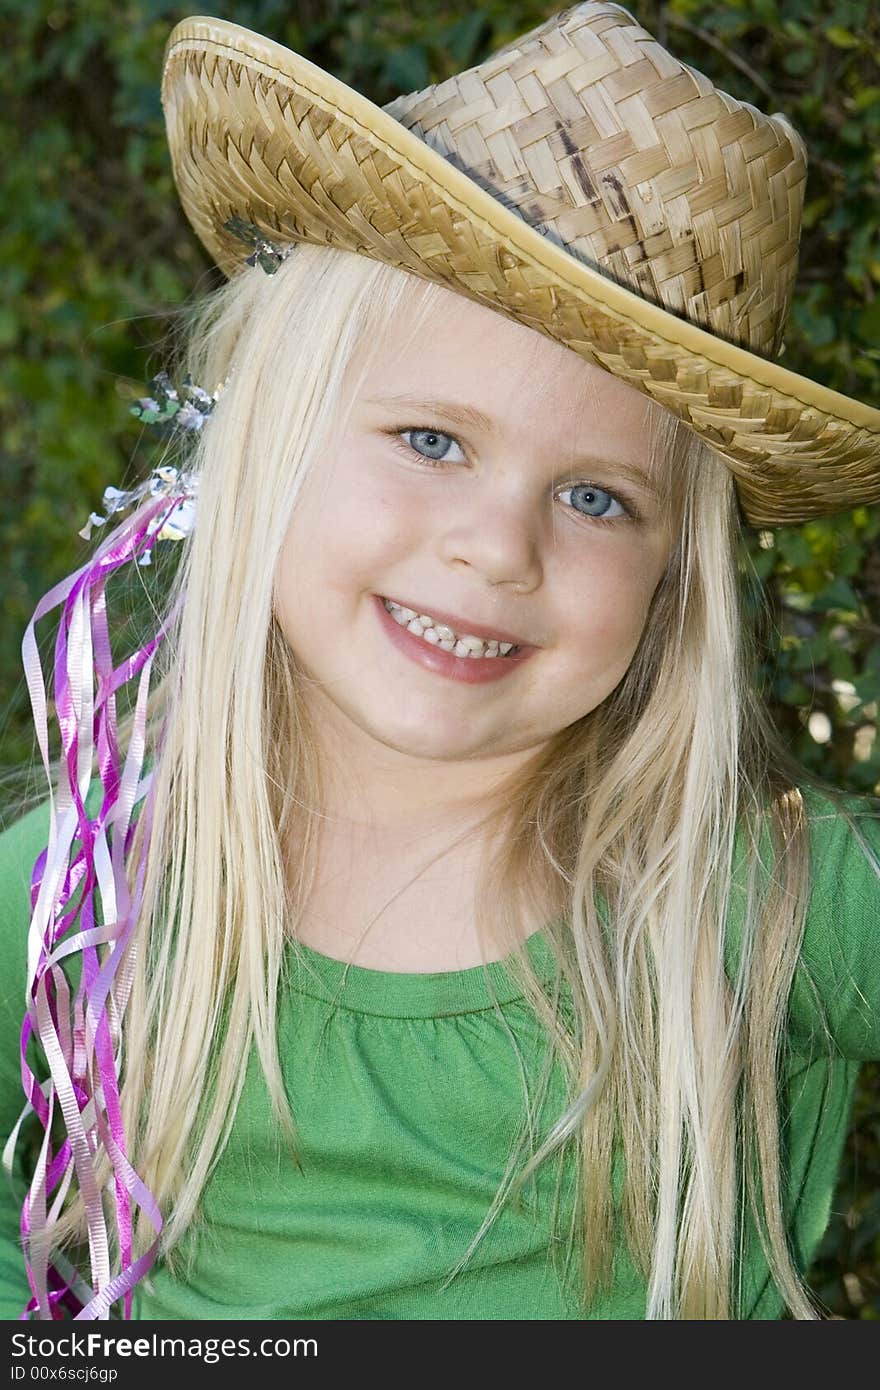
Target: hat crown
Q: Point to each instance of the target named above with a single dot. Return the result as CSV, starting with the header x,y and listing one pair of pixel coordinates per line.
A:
x,y
633,162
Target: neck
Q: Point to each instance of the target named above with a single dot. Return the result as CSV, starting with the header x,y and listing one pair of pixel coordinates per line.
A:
x,y
381,790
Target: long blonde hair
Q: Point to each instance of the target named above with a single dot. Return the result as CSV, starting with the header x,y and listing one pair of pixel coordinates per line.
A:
x,y
616,841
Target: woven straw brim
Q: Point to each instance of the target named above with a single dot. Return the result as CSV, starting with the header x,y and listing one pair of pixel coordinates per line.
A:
x,y
257,131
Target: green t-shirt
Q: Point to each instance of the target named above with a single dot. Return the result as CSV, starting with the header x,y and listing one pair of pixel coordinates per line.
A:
x,y
407,1094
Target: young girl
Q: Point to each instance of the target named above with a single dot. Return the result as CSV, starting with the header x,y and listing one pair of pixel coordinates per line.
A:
x,y
446,933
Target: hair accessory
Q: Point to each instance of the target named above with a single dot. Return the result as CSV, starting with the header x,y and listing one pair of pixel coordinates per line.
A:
x,y
164,481
85,857
168,409
87,850
265,254
581,180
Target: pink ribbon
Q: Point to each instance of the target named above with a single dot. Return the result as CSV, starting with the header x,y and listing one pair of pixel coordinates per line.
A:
x,y
81,1039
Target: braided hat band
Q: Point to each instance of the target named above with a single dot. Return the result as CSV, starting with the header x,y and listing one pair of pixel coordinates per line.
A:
x,y
582,181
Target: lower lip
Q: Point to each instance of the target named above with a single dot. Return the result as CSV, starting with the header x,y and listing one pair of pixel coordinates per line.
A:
x,y
473,670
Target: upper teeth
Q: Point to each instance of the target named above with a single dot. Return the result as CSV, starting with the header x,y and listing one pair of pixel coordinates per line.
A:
x,y
438,634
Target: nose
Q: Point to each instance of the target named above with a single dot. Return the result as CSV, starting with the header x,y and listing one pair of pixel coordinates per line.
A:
x,y
495,533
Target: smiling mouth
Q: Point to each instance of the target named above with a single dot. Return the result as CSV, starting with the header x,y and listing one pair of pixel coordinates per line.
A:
x,y
438,634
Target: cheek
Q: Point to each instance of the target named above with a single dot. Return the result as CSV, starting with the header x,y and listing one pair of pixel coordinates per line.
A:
x,y
363,537
345,532
612,603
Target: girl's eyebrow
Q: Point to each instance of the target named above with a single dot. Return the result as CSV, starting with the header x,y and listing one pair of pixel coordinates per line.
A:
x,y
465,414
476,419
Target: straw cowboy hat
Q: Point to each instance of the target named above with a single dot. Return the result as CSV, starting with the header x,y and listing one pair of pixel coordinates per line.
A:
x,y
581,180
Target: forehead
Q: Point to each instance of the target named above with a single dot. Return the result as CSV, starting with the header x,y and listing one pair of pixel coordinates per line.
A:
x,y
504,378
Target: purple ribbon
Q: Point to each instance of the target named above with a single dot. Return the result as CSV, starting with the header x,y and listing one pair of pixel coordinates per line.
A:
x,y
81,1038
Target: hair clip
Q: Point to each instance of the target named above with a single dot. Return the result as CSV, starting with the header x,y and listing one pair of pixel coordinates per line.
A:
x,y
167,410
266,254
164,481
170,409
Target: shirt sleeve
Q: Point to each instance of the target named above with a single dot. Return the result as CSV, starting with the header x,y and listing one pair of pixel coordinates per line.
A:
x,y
835,995
19,846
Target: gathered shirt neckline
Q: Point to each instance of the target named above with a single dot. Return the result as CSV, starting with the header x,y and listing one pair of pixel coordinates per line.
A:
x,y
406,994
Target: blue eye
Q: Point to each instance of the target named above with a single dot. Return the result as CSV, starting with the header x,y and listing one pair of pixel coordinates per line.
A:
x,y
587,495
433,442
431,446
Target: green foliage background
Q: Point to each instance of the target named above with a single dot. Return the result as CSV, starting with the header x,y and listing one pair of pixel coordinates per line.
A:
x,y
95,255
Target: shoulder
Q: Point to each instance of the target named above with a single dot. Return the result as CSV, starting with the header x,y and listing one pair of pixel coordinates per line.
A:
x,y
23,836
844,832
21,841
836,991
834,1003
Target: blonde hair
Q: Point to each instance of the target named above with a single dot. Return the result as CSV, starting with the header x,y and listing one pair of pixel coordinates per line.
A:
x,y
633,809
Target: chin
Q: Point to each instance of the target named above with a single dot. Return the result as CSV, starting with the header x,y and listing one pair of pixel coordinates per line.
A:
x,y
415,744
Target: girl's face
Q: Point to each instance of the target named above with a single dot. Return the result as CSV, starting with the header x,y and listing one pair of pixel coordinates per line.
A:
x,y
490,479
